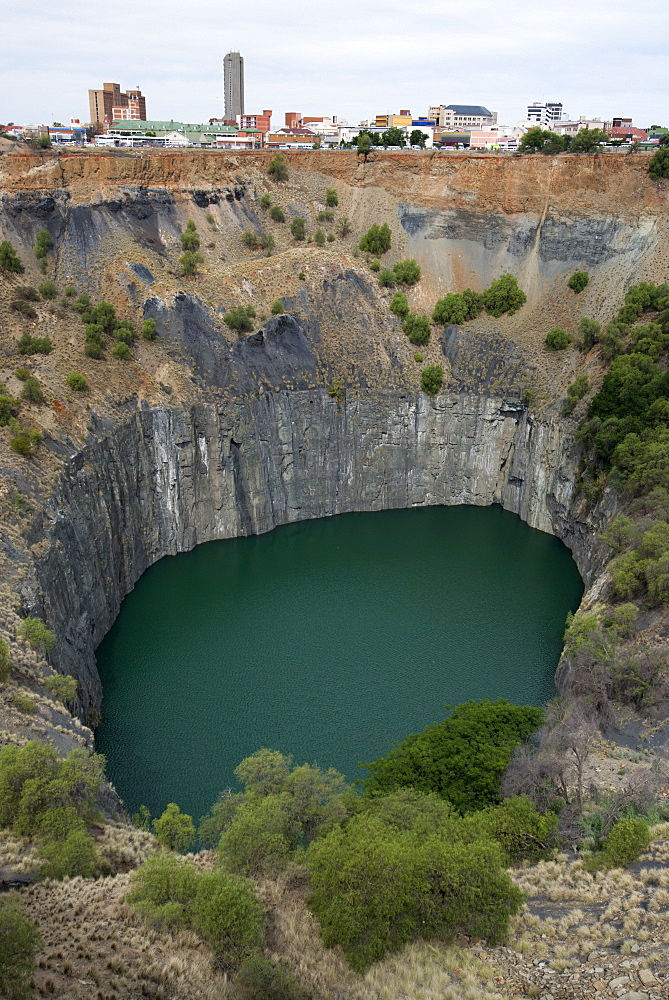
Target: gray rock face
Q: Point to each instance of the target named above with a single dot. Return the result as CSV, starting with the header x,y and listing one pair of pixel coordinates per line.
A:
x,y
164,480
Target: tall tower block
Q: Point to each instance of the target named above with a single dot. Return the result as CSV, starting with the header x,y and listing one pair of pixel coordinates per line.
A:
x,y
233,85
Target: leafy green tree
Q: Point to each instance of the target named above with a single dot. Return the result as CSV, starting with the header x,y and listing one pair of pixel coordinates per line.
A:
x,y
590,330
376,240
77,382
62,686
259,978
190,239
557,339
190,262
399,305
32,391
58,823
418,138
461,758
44,142
387,278
9,259
72,856
431,379
537,139
33,631
417,329
48,289
265,201
319,238
393,137
451,309
578,281
174,829
149,329
277,308
278,168
226,912
260,838
20,941
264,772
240,318
163,889
588,140
364,145
407,272
276,214
34,345
298,228
8,409
577,390
5,661
627,840
104,316
43,243
504,296
375,265
331,198
658,168
121,351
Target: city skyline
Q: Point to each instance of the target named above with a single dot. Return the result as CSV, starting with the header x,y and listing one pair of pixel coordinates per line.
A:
x,y
345,58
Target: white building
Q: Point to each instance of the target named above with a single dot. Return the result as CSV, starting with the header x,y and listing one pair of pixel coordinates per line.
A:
x,y
544,114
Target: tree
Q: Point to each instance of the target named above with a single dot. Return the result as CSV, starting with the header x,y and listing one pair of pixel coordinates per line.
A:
x,y
9,260
62,686
72,856
121,351
431,379
418,138
557,339
227,914
149,329
504,296
399,305
461,758
104,316
331,198
578,281
537,139
658,167
417,329
407,272
376,240
319,238
276,214
589,330
278,168
277,308
364,145
240,318
190,262
174,829
189,239
20,941
44,142
588,140
451,309
386,277
43,243
265,201
163,889
32,391
259,978
33,631
298,228
393,137
5,662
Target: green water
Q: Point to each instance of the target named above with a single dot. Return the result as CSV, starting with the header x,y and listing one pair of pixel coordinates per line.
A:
x,y
327,640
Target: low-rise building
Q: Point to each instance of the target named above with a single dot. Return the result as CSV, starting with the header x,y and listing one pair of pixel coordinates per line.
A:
x,y
462,116
213,135
574,127
544,114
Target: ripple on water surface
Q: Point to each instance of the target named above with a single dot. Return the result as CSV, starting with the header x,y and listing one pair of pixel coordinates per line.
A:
x,y
327,640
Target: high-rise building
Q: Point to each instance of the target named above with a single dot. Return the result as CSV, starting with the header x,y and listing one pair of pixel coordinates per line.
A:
x,y
112,104
544,114
233,86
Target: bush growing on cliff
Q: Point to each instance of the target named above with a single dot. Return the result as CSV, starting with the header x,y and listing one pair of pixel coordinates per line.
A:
x,y
298,229
399,305
189,239
557,339
589,330
33,631
48,289
9,259
407,272
276,214
32,391
174,829
387,278
458,307
5,662
277,308
43,243
319,238
504,296
240,318
62,686
189,263
577,390
149,329
578,281
77,382
417,329
659,164
34,345
265,201
376,240
278,168
431,379
331,198
20,940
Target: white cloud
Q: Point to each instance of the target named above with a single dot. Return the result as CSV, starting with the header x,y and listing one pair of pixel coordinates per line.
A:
x,y
355,58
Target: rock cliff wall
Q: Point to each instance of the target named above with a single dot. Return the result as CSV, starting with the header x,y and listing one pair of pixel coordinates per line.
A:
x,y
164,480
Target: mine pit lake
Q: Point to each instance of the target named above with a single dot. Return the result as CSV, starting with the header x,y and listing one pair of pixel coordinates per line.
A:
x,y
326,639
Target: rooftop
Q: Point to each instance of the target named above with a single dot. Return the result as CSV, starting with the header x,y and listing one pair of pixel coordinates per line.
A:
x,y
469,109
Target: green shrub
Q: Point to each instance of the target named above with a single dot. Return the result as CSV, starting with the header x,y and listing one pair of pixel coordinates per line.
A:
x,y
418,357
399,305
259,978
331,237
62,686
407,272
577,390
28,293
376,240
20,940
163,889
386,278
149,329
189,262
451,309
326,215
319,238
23,704
189,239
21,444
658,166
431,379
83,303
344,227
32,391
69,291
8,407
590,331
5,662
58,823
277,308
417,329
9,260
23,307
240,318
265,201
298,228
277,214
375,265
48,289
259,839
34,345
22,374
627,840
77,382
73,856
504,296
43,243
557,339
227,914
578,281
33,631
278,168
331,198
174,829
121,351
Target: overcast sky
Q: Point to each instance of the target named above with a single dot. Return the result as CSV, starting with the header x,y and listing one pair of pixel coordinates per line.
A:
x,y
352,58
